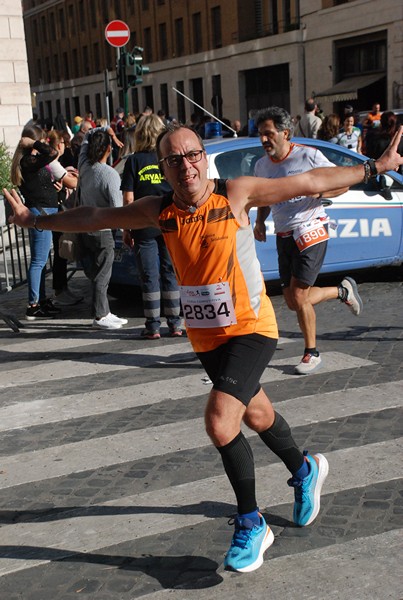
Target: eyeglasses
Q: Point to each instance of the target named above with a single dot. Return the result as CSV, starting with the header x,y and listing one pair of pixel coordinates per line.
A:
x,y
175,160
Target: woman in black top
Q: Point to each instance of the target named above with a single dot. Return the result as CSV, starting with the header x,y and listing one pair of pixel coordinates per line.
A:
x,y
31,173
68,179
142,177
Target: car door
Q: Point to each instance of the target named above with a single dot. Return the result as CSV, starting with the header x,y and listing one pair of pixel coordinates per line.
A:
x,y
368,218
369,227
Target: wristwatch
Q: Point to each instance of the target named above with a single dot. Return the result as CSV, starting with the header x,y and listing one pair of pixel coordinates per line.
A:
x,y
370,170
34,224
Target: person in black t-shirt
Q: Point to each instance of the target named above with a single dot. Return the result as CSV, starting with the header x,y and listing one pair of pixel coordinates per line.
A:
x,y
142,177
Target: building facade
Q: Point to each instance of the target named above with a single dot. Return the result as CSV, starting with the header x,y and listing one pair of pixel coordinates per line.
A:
x,y
15,95
229,56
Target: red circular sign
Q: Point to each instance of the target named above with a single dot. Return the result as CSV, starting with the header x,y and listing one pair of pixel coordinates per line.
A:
x,y
117,33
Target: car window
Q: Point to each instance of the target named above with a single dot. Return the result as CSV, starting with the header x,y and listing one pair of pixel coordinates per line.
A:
x,y
340,159
393,183
235,163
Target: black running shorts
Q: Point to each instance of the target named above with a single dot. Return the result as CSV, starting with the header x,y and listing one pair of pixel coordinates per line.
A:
x,y
304,266
237,366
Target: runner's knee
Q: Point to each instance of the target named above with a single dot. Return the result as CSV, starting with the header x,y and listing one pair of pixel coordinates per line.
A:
x,y
223,417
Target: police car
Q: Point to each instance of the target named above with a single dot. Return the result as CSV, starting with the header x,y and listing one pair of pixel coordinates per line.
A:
x,y
369,217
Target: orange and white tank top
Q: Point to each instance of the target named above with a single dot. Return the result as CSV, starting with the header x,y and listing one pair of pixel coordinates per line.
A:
x,y
222,289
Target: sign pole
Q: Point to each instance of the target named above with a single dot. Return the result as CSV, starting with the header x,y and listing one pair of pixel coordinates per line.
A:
x,y
106,83
117,34
125,91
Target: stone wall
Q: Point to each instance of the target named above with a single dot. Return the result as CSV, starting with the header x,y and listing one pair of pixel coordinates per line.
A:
x,y
15,95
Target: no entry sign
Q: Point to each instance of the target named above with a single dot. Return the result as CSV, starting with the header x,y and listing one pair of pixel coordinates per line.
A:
x,y
117,33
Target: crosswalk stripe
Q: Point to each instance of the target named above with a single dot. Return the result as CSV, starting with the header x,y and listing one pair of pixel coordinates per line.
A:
x,y
87,529
90,338
62,460
132,359
321,573
57,409
87,365
64,342
91,364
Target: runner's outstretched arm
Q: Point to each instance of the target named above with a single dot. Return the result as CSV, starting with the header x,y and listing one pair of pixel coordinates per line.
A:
x,y
142,213
246,192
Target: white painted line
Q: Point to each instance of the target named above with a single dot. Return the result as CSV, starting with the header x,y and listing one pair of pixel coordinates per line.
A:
x,y
92,337
59,344
93,365
55,410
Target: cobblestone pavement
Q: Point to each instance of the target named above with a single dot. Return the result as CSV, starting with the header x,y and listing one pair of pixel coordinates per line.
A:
x,y
110,489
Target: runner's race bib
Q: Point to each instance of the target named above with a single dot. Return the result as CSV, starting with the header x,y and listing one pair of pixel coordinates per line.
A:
x,y
207,305
310,234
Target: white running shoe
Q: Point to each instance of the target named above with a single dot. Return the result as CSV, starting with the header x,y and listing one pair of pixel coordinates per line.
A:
x,y
353,299
118,319
106,323
308,364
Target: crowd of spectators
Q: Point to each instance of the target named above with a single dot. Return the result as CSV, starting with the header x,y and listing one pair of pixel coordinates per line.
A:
x,y
46,167
54,162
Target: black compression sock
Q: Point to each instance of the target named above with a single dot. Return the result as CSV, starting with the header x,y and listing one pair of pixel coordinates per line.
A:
x,y
280,441
239,466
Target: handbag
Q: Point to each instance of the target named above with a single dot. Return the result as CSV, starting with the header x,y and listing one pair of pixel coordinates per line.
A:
x,y
70,243
72,198
70,246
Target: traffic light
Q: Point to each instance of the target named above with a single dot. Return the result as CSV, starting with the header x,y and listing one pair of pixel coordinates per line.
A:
x,y
135,67
130,68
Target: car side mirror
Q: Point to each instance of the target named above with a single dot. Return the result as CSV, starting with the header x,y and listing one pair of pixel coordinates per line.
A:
x,y
384,186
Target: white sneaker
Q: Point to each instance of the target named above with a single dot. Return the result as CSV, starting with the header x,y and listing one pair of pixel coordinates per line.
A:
x,y
106,323
118,319
353,299
308,364
67,298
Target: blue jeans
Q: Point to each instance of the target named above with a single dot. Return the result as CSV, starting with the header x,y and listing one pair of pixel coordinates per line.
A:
x,y
40,243
158,279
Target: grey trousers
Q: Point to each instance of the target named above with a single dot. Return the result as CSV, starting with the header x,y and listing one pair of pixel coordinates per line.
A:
x,y
97,261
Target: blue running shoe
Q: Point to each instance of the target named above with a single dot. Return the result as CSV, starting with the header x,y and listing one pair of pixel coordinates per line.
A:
x,y
307,490
248,545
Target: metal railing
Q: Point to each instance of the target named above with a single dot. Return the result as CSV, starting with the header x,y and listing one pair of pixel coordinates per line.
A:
x,y
14,253
14,261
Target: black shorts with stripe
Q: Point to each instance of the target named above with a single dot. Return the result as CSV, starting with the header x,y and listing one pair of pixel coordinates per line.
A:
x,y
304,266
237,366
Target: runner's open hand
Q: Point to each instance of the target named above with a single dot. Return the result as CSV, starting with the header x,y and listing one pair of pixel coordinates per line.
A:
x,y
21,216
